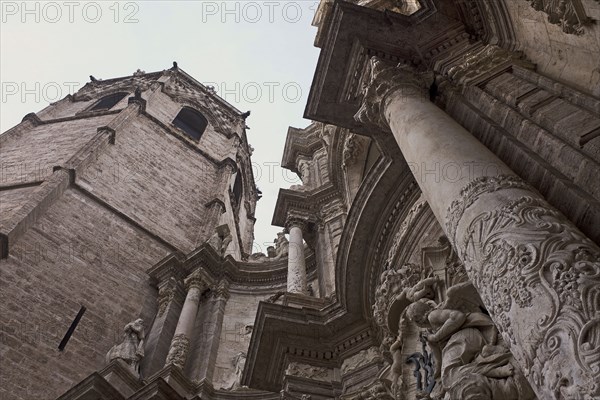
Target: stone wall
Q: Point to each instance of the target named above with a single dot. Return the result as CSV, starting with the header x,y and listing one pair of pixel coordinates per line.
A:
x,y
78,254
568,58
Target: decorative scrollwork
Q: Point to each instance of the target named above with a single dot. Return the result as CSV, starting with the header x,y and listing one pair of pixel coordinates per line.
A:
x,y
527,259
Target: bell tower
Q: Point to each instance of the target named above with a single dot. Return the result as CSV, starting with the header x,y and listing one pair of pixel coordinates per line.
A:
x,y
97,189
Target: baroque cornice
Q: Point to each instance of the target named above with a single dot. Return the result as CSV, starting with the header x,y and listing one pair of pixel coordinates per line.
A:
x,y
304,204
315,337
355,35
243,277
300,142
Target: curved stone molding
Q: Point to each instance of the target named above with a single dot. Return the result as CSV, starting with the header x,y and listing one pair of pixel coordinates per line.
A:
x,y
525,258
413,213
179,350
384,80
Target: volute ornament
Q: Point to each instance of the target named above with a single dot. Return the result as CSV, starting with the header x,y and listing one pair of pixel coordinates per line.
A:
x,y
385,79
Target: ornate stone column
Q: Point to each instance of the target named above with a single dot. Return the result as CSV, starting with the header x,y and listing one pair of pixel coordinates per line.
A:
x,y
537,274
194,285
296,279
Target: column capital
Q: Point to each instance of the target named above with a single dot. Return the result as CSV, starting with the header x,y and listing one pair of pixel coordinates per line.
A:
x,y
221,290
296,221
195,280
385,79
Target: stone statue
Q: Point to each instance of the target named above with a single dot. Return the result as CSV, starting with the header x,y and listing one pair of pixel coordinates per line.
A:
x,y
470,363
281,246
398,361
220,239
239,362
131,350
424,289
304,172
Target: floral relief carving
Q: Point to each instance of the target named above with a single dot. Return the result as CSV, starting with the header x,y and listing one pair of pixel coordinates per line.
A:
x,y
525,257
178,351
309,371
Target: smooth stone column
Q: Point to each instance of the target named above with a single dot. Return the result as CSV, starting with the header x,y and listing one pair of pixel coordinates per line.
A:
x,y
537,274
180,344
296,279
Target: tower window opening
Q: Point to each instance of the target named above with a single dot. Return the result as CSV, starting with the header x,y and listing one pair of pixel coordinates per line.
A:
x,y
237,190
191,122
108,102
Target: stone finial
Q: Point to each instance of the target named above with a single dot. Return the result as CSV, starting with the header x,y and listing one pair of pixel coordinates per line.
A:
x,y
385,79
131,349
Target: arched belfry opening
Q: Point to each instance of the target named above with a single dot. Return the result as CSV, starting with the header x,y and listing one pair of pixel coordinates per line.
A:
x,y
192,122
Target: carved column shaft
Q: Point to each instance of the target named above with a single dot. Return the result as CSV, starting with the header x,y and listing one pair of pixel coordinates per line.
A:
x,y
185,325
537,274
296,279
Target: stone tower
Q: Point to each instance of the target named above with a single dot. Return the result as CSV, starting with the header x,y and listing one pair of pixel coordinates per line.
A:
x,y
97,189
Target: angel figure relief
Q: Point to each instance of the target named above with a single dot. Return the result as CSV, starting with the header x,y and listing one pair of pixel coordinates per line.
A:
x,y
471,363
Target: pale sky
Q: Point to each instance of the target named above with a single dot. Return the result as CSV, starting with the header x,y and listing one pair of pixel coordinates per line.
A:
x,y
259,55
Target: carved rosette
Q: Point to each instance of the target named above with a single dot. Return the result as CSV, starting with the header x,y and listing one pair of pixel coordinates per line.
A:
x,y
526,258
179,350
385,80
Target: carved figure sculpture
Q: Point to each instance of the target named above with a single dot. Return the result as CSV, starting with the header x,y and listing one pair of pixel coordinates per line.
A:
x,y
398,361
239,361
131,350
281,246
470,362
304,172
220,239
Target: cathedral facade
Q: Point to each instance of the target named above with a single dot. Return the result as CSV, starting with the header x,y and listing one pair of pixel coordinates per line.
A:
x,y
443,243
